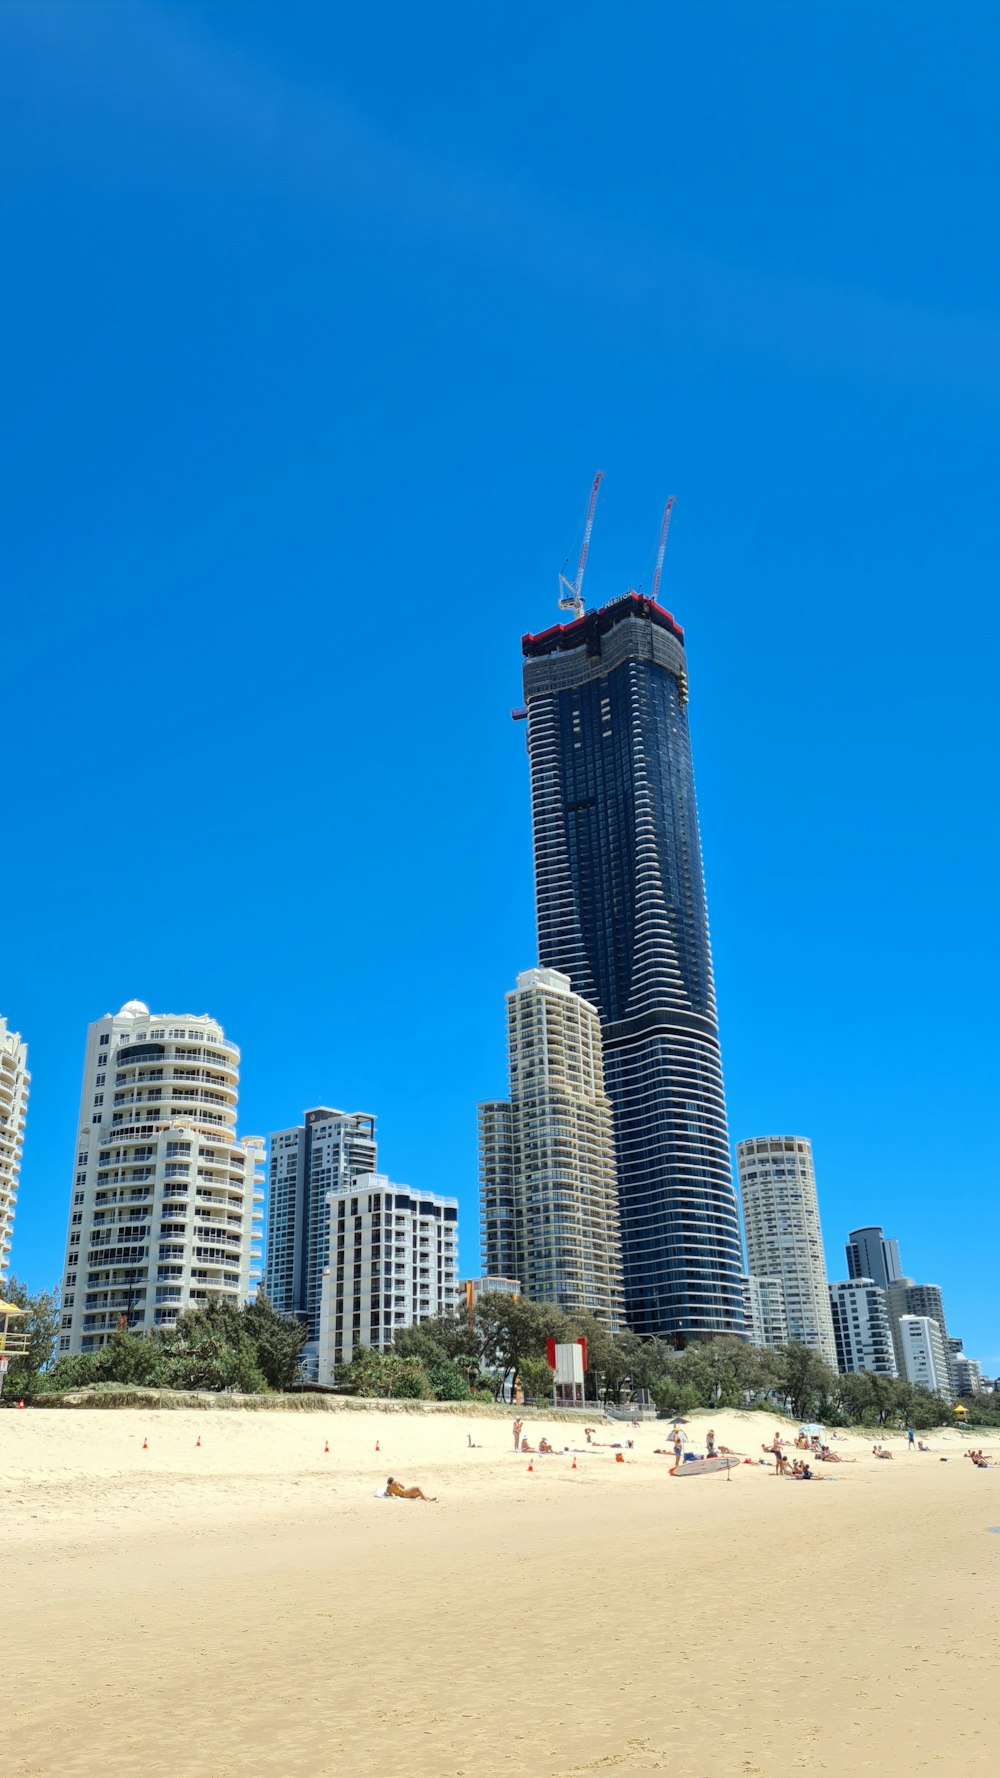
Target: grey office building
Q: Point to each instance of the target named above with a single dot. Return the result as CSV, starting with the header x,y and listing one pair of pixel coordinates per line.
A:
x,y
871,1255
322,1154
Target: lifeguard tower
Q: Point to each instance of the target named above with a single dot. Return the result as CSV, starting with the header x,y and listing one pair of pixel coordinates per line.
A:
x,y
13,1344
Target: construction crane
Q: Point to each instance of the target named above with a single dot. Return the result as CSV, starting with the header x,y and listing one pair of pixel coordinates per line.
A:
x,y
664,528
571,598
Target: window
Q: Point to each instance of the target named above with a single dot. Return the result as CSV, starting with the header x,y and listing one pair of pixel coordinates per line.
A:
x,y
106,1039
96,1118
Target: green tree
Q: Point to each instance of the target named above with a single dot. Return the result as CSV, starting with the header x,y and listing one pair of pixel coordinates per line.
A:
x,y
804,1380
537,1378
378,1374
278,1341
513,1329
41,1325
448,1381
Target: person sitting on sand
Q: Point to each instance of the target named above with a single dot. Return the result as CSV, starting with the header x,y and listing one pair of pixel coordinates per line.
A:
x,y
921,1446
544,1448
395,1491
526,1449
590,1430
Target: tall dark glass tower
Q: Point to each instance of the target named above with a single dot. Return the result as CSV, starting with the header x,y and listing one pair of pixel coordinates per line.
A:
x,y
621,911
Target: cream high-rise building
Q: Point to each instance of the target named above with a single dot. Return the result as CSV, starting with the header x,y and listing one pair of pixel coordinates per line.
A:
x,y
166,1204
14,1082
781,1220
549,1187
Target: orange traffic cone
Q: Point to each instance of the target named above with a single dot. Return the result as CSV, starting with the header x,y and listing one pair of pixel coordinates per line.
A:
x,y
531,1468
145,1444
573,1464
197,1442
21,1402
326,1448
376,1447
619,1457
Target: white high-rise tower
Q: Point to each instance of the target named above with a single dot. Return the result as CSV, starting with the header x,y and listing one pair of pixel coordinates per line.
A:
x,y
781,1219
165,1212
14,1081
549,1185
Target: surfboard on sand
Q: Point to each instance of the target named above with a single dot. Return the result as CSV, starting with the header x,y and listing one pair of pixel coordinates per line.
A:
x,y
705,1465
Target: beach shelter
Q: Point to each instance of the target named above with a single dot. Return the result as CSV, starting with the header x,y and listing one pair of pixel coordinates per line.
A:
x,y
811,1429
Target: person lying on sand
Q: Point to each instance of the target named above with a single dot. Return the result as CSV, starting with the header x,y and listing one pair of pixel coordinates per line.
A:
x,y
395,1491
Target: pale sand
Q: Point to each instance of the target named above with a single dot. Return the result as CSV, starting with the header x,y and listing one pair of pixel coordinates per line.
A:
x,y
250,1607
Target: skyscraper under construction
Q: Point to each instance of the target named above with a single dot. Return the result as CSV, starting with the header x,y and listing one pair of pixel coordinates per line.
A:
x,y
621,912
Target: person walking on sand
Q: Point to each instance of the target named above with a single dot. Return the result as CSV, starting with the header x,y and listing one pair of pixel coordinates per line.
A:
x,y
517,1434
911,1438
395,1491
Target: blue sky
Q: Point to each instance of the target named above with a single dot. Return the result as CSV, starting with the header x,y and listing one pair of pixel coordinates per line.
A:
x,y
319,322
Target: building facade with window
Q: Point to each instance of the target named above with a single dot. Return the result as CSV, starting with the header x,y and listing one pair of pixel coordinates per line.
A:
x,y
322,1154
861,1327
764,1310
165,1210
14,1084
783,1235
393,1262
548,1180
621,912
925,1355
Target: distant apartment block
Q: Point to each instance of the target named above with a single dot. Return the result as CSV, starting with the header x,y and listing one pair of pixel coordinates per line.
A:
x,y
783,1236
165,1210
548,1179
764,1310
393,1262
14,1083
925,1355
322,1154
471,1289
861,1327
905,1297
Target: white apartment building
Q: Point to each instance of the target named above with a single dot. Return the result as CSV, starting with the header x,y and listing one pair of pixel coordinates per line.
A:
x,y
783,1236
764,1310
165,1211
861,1327
393,1262
925,1355
968,1374
322,1154
14,1083
548,1175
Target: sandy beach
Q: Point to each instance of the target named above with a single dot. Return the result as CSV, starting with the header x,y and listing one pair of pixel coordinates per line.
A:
x,y
250,1607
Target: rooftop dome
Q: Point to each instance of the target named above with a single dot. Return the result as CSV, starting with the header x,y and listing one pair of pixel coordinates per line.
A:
x,y
134,1009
